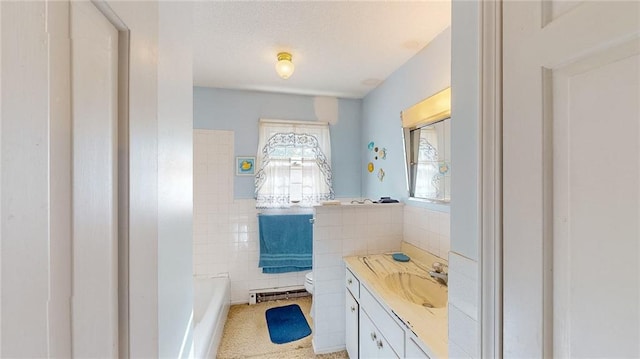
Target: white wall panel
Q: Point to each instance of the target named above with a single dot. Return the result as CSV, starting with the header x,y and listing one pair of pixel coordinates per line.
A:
x,y
94,91
175,179
60,180
24,181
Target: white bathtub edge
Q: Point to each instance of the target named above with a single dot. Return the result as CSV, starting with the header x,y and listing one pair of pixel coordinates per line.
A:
x,y
208,330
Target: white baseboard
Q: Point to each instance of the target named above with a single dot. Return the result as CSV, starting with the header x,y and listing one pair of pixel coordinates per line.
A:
x,y
326,350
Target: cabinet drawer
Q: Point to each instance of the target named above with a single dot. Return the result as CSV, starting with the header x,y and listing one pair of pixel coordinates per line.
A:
x,y
383,320
353,284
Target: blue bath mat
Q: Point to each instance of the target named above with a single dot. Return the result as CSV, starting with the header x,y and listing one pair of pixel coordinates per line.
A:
x,y
287,324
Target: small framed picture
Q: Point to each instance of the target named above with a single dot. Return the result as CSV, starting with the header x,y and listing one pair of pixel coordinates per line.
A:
x,y
245,166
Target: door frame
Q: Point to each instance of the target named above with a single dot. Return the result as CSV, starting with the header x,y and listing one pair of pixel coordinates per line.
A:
x,y
490,265
124,35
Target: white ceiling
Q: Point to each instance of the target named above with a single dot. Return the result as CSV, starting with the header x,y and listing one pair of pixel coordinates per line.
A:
x,y
339,48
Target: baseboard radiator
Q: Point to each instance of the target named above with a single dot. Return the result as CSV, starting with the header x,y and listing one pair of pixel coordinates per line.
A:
x,y
268,294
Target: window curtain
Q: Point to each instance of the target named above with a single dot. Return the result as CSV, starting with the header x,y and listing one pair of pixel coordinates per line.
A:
x,y
293,165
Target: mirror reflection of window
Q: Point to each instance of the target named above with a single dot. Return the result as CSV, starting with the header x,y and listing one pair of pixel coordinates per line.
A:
x,y
427,179
430,162
426,128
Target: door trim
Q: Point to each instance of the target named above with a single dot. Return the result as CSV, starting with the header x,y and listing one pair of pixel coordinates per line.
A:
x,y
124,36
491,180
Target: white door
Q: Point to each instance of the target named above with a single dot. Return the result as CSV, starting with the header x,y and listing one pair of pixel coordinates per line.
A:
x,y
94,58
571,179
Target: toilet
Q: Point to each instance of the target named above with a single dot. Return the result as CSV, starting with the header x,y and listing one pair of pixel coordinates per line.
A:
x,y
308,285
308,282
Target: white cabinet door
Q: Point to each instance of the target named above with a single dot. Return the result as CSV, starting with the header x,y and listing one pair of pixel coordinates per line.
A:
x,y
368,337
384,349
571,135
413,351
351,325
372,343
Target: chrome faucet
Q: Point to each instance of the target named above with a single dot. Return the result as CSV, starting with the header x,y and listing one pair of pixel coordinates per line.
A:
x,y
438,273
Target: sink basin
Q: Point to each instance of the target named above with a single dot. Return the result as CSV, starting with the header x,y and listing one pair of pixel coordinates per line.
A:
x,y
417,289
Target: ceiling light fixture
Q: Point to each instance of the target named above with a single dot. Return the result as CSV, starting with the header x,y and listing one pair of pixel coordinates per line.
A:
x,y
284,66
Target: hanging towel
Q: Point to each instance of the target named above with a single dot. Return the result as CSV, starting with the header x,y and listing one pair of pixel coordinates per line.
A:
x,y
285,243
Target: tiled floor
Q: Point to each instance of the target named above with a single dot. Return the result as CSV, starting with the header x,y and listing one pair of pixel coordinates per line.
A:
x,y
246,335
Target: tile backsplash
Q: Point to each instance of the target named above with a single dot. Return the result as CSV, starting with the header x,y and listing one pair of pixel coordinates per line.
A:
x,y
427,229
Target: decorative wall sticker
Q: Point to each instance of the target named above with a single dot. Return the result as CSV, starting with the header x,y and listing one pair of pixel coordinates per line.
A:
x,y
379,153
443,168
245,166
382,154
370,167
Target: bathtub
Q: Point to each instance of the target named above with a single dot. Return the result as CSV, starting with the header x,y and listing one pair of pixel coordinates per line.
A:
x,y
211,306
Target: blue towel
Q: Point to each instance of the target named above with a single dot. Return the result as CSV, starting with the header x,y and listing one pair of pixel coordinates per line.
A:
x,y
285,243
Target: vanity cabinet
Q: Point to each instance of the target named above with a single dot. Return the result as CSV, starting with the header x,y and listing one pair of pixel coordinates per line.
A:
x,y
353,284
371,331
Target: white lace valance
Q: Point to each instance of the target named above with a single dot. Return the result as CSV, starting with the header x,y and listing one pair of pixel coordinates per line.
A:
x,y
293,165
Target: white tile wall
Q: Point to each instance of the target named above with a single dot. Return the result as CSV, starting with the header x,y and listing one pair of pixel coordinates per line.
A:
x,y
456,352
463,277
428,230
464,332
341,231
226,230
212,200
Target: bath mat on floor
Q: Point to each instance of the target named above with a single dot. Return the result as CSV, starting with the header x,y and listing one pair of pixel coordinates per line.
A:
x,y
286,324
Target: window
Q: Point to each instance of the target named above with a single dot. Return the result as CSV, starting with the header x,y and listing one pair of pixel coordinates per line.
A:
x,y
293,164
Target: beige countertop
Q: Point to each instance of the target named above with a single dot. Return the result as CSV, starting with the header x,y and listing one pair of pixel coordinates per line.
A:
x,y
429,324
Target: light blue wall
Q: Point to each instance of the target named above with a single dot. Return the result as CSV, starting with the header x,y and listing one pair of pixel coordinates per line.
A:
x,y
465,145
239,111
422,76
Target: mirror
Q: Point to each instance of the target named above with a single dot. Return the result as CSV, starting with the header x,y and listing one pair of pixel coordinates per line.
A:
x,y
427,134
429,161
